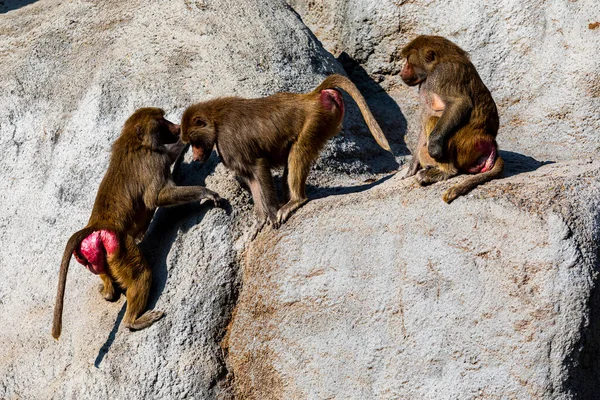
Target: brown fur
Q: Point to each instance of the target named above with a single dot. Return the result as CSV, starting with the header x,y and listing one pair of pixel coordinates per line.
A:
x,y
285,129
138,180
460,119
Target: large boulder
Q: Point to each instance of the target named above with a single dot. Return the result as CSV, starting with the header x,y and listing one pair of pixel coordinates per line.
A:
x,y
373,289
72,72
389,293
539,59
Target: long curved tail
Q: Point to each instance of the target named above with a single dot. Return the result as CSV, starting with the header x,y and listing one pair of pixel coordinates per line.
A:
x,y
468,184
73,242
339,81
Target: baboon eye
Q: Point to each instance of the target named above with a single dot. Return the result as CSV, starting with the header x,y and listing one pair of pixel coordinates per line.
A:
x,y
430,56
199,122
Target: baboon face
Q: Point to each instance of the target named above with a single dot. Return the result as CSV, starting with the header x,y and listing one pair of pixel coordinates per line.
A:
x,y
424,53
198,130
419,63
166,131
151,127
414,71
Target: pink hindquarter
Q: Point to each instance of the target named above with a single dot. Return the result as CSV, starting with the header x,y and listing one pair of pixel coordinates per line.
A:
x,y
332,98
488,158
93,250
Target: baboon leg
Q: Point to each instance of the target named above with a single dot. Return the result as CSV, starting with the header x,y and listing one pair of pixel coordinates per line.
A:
x,y
300,159
137,298
263,193
107,289
131,271
429,124
285,189
434,171
474,180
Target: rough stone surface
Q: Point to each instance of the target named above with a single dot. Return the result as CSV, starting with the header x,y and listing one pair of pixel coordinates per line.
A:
x,y
538,58
375,288
389,293
72,72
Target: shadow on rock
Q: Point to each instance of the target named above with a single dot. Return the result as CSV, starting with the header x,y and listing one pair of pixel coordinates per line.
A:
x,y
515,163
315,193
384,108
162,232
9,5
167,222
111,338
584,378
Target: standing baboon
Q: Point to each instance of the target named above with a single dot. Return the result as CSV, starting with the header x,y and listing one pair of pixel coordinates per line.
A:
x,y
138,180
285,129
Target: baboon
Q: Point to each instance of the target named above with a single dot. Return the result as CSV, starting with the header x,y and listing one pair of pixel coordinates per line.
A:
x,y
285,129
138,180
460,119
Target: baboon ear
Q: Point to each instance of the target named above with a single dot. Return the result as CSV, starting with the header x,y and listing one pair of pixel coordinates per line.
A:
x,y
139,131
430,56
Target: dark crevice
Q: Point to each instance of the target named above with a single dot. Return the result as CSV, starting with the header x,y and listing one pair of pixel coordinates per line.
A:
x,y
583,381
190,174
223,384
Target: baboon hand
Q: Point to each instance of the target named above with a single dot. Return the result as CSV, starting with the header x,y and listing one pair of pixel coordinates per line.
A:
x,y
216,199
408,174
258,227
435,150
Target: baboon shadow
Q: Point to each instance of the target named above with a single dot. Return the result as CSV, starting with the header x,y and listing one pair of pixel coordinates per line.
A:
x,y
169,221
10,5
162,233
515,163
382,105
315,192
111,337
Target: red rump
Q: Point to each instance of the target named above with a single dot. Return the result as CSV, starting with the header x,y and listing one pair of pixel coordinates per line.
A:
x,y
487,160
93,249
331,98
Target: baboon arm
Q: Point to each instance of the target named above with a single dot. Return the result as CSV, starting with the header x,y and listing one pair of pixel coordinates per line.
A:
x,y
454,115
174,195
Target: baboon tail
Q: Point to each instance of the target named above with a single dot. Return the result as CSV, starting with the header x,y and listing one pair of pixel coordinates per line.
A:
x,y
468,184
72,244
339,81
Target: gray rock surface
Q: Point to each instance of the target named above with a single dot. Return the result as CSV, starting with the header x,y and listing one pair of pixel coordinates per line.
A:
x,y
72,72
538,58
389,293
375,288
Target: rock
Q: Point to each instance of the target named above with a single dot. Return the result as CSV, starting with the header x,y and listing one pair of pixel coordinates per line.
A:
x,y
538,59
375,288
386,292
71,74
